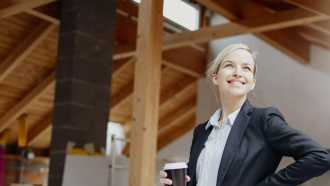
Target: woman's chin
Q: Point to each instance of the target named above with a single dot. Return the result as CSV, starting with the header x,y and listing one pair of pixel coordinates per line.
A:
x,y
236,93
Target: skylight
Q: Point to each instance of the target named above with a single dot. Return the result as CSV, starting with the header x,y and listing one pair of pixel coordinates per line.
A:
x,y
181,13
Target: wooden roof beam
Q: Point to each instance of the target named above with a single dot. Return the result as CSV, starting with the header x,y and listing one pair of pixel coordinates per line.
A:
x,y
176,132
288,41
17,6
321,7
214,6
177,115
316,37
43,16
272,21
26,101
127,90
323,27
165,98
261,11
120,52
21,51
39,129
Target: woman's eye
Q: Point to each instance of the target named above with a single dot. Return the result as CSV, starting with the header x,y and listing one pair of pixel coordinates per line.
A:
x,y
228,65
247,68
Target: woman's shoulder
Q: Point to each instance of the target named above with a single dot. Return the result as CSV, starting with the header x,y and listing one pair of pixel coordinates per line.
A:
x,y
268,114
268,111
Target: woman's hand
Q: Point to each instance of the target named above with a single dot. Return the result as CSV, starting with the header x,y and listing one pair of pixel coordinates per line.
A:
x,y
166,181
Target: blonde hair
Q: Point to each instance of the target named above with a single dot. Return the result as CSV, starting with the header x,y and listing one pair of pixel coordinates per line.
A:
x,y
214,66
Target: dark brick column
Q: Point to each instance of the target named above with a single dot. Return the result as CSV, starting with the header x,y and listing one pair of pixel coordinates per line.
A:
x,y
82,80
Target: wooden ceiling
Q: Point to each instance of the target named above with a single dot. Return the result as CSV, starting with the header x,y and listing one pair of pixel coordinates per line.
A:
x,y
28,53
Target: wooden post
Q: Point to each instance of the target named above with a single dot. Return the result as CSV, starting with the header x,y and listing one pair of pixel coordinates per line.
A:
x,y
143,147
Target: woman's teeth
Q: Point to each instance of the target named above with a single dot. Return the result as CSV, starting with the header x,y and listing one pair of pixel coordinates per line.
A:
x,y
235,82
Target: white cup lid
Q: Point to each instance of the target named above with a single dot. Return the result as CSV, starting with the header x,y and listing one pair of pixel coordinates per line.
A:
x,y
177,165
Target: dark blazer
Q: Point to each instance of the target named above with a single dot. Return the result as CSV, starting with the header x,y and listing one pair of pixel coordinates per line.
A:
x,y
258,140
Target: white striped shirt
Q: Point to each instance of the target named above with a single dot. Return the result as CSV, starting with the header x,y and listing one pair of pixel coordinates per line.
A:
x,y
209,159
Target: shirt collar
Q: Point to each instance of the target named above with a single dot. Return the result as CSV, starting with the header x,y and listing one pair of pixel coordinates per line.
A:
x,y
216,115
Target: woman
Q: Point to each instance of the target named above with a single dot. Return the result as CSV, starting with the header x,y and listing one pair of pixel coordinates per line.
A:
x,y
241,145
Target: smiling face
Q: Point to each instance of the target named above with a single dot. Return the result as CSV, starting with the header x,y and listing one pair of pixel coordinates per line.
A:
x,y
235,75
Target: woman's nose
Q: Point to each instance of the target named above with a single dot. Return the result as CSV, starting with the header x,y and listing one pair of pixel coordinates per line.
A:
x,y
237,72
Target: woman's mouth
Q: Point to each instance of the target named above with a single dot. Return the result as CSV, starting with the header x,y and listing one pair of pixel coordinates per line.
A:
x,y
235,82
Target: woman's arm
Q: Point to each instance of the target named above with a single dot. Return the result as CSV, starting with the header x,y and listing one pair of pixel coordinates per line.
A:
x,y
311,159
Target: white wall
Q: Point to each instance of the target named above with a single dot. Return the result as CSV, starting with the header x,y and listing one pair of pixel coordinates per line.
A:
x,y
301,92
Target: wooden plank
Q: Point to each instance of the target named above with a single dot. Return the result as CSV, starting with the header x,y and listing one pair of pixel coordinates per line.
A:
x,y
289,42
269,22
43,16
316,37
319,6
20,52
146,96
255,11
195,69
127,91
123,94
176,132
323,27
18,6
214,6
165,98
182,110
28,100
39,129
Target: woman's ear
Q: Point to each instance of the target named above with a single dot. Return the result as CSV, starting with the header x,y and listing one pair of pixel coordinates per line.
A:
x,y
214,79
253,84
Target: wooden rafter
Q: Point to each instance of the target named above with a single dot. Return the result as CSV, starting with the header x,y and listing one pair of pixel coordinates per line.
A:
x,y
40,128
21,51
316,37
323,27
120,52
177,115
123,94
256,10
43,16
266,23
214,6
287,40
18,6
127,90
319,7
176,132
27,101
166,97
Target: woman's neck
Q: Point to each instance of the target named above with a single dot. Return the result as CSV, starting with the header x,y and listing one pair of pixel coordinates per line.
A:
x,y
230,104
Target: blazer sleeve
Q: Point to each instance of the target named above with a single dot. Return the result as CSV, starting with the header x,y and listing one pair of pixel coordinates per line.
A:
x,y
311,159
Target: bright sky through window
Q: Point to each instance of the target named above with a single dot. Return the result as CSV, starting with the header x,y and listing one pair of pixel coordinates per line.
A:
x,y
117,130
181,13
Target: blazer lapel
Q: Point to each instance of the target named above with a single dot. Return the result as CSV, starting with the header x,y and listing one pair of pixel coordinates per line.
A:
x,y
202,137
233,141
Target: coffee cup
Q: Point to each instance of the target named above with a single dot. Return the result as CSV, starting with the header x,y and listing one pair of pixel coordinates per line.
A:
x,y
177,173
